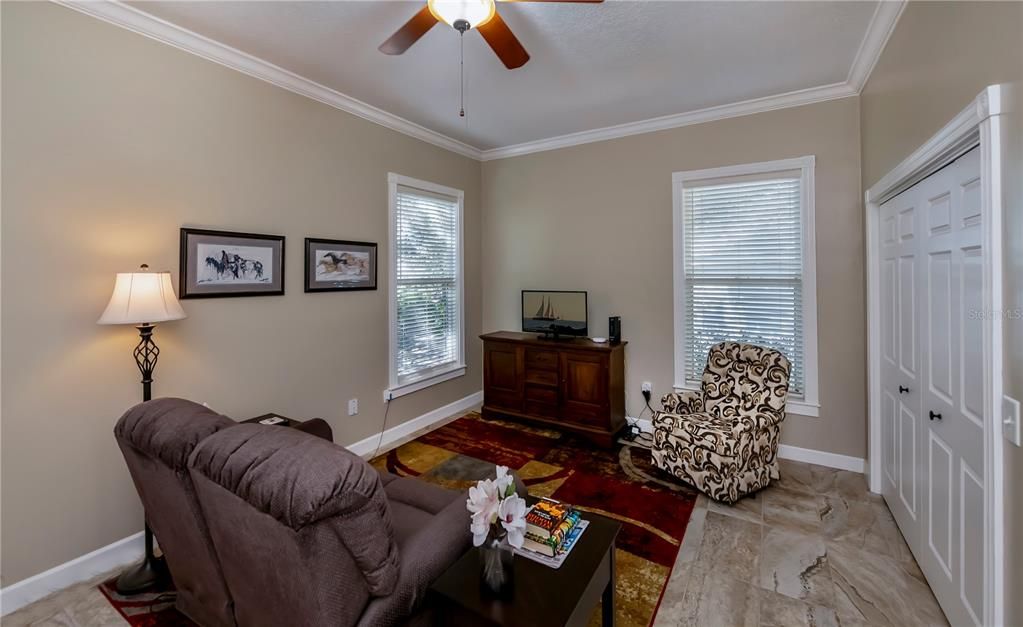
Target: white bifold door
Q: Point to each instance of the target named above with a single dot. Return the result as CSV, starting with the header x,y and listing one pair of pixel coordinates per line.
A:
x,y
932,366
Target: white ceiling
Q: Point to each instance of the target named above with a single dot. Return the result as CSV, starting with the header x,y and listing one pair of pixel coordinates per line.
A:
x,y
592,65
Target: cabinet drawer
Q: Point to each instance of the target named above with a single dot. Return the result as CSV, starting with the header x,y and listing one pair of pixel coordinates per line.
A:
x,y
542,377
542,359
542,394
544,410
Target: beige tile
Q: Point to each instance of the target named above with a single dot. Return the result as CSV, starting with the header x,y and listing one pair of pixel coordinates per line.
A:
x,y
796,565
731,546
801,477
881,590
95,610
792,509
851,486
62,618
716,600
750,508
897,547
778,610
855,522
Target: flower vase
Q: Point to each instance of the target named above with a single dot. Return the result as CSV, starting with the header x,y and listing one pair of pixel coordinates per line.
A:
x,y
497,566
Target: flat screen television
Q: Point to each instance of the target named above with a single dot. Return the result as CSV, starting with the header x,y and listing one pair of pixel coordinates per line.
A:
x,y
554,312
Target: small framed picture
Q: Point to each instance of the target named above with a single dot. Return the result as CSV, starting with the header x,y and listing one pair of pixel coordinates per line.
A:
x,y
220,264
339,265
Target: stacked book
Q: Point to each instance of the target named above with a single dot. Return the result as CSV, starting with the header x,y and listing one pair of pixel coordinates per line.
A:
x,y
552,528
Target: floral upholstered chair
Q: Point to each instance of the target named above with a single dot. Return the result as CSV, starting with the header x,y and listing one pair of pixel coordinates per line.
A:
x,y
724,439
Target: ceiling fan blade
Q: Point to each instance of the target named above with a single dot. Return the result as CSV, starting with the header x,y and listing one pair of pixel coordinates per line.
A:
x,y
505,44
410,33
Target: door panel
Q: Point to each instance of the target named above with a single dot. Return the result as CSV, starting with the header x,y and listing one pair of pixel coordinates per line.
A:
x,y
584,387
952,357
503,375
932,371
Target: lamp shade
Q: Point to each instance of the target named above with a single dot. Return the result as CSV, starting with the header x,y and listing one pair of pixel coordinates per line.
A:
x,y
142,297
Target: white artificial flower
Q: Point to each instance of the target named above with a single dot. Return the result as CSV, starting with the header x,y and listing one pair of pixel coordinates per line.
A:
x,y
512,514
483,504
503,481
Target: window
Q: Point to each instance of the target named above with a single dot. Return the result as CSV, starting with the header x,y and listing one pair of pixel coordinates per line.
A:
x,y
426,304
744,268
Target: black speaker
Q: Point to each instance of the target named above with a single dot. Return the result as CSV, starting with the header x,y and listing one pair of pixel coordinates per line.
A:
x,y
614,329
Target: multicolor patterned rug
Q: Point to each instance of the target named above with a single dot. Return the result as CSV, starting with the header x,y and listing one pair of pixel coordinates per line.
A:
x,y
619,483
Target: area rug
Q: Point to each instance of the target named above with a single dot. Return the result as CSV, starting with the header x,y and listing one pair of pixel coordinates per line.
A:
x,y
619,483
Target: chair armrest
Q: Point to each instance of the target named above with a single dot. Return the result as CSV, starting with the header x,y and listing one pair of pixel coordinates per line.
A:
x,y
684,402
759,420
423,559
317,427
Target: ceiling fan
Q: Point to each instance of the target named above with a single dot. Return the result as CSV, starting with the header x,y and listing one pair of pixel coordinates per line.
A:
x,y
464,15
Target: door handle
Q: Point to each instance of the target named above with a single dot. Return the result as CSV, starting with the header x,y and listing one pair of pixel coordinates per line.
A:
x,y
934,415
903,390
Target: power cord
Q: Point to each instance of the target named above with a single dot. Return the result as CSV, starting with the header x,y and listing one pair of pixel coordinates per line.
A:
x,y
633,433
380,439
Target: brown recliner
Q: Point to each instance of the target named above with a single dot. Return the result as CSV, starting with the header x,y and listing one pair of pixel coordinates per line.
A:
x,y
157,437
310,534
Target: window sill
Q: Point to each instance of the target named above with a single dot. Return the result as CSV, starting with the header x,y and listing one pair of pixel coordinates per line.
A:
x,y
414,386
796,407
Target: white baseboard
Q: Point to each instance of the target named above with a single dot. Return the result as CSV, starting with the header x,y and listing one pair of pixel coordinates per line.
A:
x,y
794,453
131,549
121,553
394,436
822,458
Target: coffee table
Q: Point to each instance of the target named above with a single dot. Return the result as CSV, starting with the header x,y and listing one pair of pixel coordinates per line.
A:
x,y
541,595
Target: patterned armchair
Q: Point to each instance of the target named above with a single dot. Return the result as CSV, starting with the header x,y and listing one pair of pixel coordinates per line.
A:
x,y
724,438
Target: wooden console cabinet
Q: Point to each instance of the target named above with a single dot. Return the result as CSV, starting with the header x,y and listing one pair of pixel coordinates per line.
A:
x,y
569,384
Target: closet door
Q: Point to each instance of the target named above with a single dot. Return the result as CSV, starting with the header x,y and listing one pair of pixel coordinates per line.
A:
x,y
951,553
900,360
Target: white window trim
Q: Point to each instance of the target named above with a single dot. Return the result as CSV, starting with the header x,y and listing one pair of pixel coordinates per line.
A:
x,y
435,376
809,405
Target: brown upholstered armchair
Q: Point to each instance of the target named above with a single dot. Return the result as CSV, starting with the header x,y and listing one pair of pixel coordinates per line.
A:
x,y
723,439
157,439
310,534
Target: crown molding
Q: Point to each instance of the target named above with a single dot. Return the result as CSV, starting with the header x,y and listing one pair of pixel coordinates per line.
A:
x,y
115,12
881,27
710,114
130,18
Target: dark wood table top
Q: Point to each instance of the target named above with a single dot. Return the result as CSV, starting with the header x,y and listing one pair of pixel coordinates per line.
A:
x,y
563,342
541,595
288,422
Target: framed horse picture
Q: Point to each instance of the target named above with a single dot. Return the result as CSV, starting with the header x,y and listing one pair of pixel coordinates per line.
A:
x,y
333,265
220,264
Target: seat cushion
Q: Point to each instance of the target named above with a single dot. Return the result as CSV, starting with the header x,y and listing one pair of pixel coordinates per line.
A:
x,y
702,429
419,494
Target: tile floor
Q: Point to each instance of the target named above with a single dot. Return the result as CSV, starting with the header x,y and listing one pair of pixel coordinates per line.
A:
x,y
816,548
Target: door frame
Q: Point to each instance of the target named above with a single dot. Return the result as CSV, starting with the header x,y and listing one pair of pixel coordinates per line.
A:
x,y
979,123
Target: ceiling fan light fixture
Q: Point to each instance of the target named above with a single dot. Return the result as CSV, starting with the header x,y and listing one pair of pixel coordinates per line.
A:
x,y
475,12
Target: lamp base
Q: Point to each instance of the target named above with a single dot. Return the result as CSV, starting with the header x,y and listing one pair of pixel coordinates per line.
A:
x,y
147,574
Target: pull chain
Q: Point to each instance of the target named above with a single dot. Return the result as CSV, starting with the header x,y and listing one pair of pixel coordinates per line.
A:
x,y
461,74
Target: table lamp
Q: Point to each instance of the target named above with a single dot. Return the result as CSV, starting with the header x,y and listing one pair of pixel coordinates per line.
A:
x,y
143,298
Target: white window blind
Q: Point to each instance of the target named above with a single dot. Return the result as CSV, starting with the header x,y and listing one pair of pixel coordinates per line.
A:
x,y
426,283
743,268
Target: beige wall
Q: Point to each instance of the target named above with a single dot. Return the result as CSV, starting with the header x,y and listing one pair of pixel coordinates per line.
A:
x,y
598,217
111,142
939,58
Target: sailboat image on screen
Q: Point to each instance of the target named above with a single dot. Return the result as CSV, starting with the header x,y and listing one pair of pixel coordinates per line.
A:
x,y
554,313
546,311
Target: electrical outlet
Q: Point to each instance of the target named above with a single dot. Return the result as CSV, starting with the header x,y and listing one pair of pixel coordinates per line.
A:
x,y
648,387
353,407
